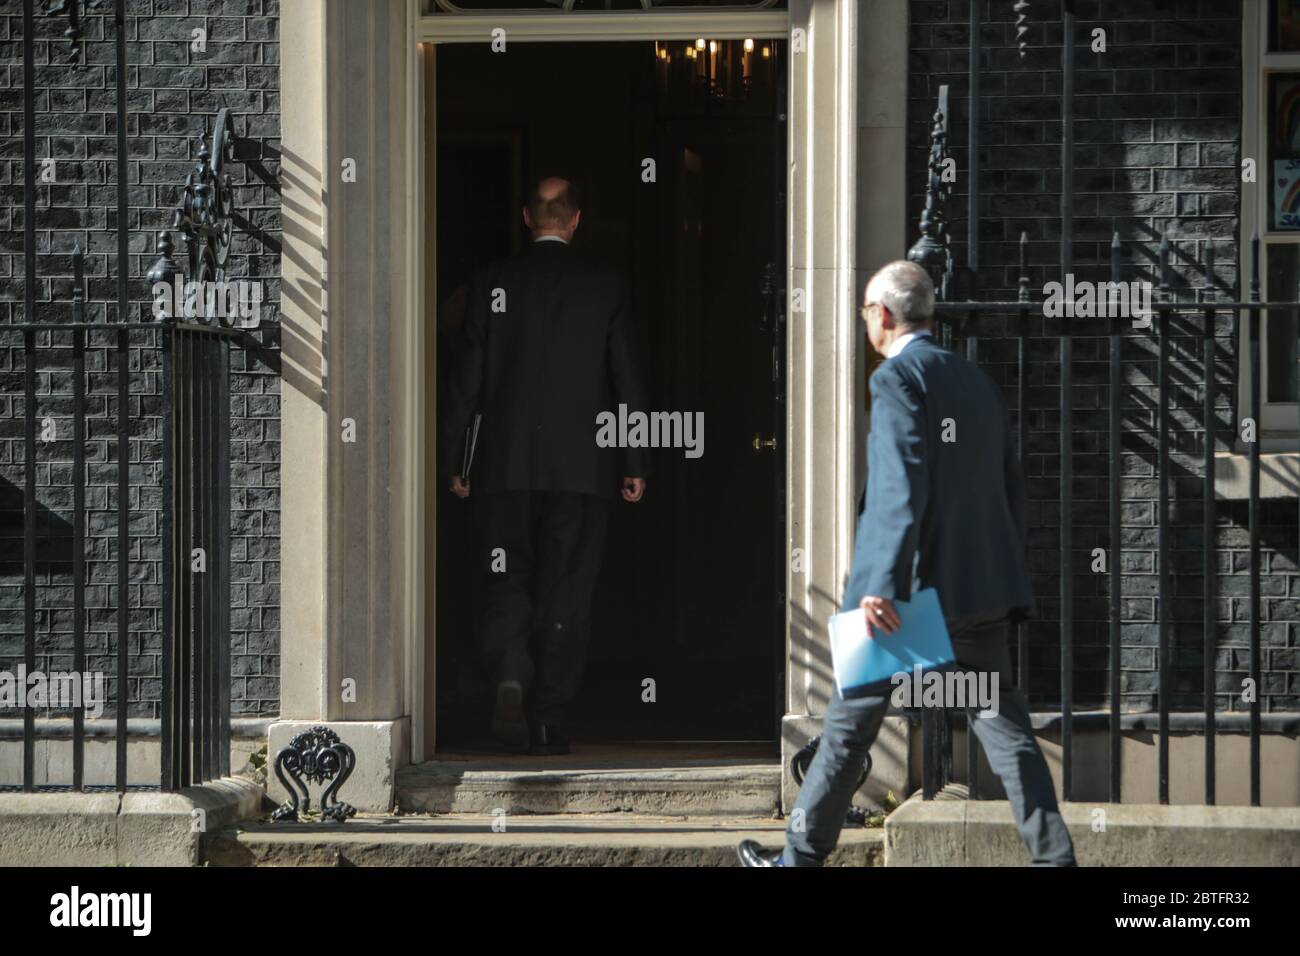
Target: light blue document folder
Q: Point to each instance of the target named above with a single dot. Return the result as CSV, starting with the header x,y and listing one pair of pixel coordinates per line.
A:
x,y
867,666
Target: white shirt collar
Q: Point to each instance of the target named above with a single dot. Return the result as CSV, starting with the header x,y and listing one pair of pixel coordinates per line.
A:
x,y
900,343
549,239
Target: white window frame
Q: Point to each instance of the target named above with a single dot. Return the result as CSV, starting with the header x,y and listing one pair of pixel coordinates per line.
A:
x,y
1278,419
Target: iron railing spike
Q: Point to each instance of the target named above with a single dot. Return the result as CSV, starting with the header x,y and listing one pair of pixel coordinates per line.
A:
x,y
1023,293
931,251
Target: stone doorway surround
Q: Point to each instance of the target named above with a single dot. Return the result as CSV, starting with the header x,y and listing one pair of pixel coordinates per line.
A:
x,y
357,605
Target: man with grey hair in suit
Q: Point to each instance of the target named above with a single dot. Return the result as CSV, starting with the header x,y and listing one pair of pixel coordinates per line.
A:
x,y
944,508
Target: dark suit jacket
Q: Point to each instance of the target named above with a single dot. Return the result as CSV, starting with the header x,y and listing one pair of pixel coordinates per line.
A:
x,y
943,514
540,370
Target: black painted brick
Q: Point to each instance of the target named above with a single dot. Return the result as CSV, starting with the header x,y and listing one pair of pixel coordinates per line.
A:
x,y
172,93
1157,148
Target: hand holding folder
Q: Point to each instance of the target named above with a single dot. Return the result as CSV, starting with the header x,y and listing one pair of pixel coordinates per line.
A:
x,y
866,665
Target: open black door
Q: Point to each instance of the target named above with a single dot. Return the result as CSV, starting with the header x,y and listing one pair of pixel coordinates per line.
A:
x,y
688,623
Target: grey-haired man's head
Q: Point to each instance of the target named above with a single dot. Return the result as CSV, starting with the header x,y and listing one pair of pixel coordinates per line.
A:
x,y
899,299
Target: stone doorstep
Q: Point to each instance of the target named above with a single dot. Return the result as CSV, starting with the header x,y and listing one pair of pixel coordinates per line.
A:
x,y
137,828
956,832
735,789
609,839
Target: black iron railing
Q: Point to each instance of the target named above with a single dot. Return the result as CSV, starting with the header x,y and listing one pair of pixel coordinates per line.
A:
x,y
195,523
193,358
968,323
959,328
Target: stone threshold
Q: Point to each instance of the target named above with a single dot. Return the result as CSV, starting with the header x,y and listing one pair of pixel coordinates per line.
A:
x,y
670,783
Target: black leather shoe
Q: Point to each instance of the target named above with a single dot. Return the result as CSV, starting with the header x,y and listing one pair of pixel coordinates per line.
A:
x,y
508,724
547,740
751,853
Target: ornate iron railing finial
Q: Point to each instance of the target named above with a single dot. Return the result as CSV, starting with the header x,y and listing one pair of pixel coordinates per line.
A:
x,y
931,250
204,215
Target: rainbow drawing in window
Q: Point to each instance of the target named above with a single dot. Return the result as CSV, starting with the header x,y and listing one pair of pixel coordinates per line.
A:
x,y
1286,116
1284,141
1286,194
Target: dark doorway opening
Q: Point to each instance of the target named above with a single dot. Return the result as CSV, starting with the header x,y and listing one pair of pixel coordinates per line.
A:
x,y
690,595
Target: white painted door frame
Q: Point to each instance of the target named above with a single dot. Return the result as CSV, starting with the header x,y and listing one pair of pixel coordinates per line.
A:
x,y
820,261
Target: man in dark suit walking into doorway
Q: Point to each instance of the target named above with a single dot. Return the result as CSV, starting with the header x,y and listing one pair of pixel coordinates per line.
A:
x,y
944,508
548,346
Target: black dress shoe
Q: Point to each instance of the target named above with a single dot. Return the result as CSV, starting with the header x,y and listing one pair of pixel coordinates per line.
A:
x,y
753,854
547,740
508,724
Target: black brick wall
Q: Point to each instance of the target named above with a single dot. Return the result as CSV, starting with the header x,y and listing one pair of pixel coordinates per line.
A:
x,y
174,94
1157,149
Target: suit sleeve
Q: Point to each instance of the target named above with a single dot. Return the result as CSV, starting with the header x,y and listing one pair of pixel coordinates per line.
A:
x,y
623,355
465,386
898,487
1014,476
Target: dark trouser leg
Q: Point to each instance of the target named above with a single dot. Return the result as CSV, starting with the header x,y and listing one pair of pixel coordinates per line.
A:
x,y
508,615
1013,752
851,726
848,731
573,538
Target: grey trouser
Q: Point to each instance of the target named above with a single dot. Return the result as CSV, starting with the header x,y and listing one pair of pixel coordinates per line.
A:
x,y
850,728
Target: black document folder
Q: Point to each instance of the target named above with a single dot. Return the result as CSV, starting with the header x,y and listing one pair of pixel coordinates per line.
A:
x,y
471,441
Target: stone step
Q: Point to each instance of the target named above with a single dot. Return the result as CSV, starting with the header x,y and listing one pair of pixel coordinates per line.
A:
x,y
610,839
957,832
667,782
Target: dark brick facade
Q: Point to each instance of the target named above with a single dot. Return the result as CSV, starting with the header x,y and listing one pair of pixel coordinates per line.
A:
x,y
1157,149
174,93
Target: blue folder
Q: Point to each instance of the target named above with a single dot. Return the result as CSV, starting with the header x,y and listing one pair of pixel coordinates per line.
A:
x,y
865,667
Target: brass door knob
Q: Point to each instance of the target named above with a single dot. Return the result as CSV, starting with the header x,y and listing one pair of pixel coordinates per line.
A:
x,y
760,442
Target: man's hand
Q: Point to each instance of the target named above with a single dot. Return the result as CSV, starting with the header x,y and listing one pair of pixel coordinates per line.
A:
x,y
880,613
633,489
459,487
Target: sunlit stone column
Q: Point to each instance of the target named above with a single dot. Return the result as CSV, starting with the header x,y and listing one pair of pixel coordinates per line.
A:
x,y
346,311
